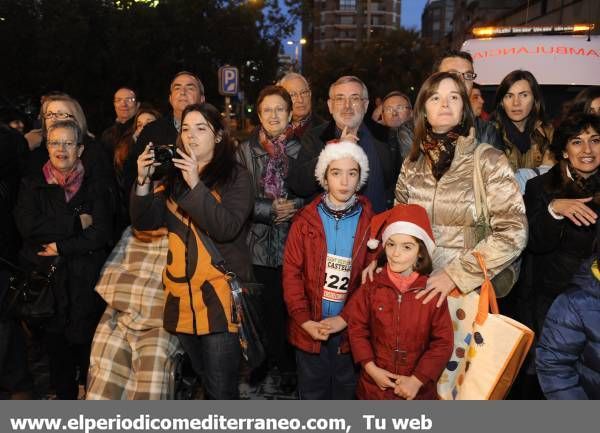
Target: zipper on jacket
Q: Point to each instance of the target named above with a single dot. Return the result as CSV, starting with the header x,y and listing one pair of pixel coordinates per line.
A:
x,y
397,331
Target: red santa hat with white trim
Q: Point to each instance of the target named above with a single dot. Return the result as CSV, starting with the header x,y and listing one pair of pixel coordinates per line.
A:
x,y
407,219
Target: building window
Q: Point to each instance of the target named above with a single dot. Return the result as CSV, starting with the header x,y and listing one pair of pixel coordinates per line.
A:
x,y
347,19
348,5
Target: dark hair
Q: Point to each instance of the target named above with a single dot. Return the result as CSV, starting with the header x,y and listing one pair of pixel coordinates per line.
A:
x,y
274,90
424,264
396,93
583,101
477,86
571,127
220,170
449,54
125,143
537,111
191,74
428,88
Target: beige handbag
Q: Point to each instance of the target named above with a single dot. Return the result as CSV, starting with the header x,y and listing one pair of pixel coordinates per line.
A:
x,y
463,310
496,351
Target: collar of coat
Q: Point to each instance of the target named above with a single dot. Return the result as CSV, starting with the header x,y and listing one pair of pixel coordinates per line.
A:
x,y
310,213
466,145
381,279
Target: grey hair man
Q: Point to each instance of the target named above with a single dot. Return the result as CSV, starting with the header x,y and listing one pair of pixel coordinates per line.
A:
x,y
303,118
348,102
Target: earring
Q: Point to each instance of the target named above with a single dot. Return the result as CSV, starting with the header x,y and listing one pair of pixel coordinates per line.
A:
x,y
565,155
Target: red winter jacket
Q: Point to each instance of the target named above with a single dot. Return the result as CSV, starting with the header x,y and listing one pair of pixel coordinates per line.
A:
x,y
399,334
304,270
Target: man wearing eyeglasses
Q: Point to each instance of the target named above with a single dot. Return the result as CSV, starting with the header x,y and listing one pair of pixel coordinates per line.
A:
x,y
185,89
303,119
395,109
126,106
347,103
461,64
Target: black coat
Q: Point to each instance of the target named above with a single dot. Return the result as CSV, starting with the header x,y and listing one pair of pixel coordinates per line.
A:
x,y
301,176
110,137
12,145
43,216
266,239
161,131
557,247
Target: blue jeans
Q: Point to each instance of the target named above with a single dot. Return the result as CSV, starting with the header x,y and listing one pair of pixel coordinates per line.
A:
x,y
216,359
328,375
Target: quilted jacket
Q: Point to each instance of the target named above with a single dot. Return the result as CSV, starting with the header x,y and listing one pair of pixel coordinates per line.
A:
x,y
450,204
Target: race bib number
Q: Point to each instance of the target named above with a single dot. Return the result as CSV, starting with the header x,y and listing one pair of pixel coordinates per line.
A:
x,y
337,278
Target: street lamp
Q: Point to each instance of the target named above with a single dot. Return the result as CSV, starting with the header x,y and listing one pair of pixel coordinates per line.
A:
x,y
301,41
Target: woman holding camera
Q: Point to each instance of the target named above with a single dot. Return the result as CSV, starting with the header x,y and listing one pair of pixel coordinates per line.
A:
x,y
64,211
205,192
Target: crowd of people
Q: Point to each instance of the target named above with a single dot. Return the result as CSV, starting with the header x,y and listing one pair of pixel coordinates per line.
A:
x,y
357,228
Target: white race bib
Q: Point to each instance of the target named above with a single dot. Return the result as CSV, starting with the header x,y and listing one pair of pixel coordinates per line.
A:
x,y
337,278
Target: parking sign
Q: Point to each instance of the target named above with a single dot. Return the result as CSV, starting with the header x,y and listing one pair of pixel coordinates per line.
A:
x,y
228,80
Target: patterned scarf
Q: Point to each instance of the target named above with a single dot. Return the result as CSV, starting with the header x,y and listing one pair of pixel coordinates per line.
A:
x,y
585,187
299,126
277,165
439,148
69,182
339,211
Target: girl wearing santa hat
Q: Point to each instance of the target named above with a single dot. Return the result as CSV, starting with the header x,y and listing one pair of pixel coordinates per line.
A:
x,y
324,255
402,344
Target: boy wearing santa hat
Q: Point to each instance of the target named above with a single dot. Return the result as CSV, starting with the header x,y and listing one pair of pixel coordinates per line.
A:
x,y
402,344
325,252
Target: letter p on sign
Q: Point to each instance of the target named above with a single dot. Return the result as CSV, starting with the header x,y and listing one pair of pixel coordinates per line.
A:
x,y
228,80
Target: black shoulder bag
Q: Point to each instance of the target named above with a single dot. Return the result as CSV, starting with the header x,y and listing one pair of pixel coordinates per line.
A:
x,y
244,308
30,295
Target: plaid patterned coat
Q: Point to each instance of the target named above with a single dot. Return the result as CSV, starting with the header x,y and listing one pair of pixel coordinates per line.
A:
x,y
132,353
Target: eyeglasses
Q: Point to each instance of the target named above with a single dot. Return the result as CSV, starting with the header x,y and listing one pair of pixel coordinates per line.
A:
x,y
396,109
128,100
469,76
269,111
67,144
340,101
301,94
57,116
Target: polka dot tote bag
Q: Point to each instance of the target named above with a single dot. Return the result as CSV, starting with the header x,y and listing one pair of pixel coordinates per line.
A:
x,y
463,309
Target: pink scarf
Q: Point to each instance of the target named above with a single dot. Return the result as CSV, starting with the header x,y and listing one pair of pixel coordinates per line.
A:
x,y
402,282
69,182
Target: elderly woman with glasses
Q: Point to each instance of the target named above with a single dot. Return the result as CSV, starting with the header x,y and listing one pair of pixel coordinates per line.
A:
x,y
63,216
267,156
60,107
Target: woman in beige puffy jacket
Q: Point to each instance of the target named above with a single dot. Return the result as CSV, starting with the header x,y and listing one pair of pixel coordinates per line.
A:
x,y
438,175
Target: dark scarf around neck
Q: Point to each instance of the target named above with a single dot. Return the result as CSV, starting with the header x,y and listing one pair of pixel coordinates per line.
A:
x,y
522,140
579,186
439,148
